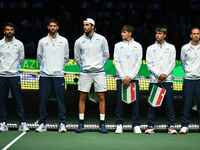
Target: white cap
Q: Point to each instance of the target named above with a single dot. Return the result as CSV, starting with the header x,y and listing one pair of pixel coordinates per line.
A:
x,y
90,20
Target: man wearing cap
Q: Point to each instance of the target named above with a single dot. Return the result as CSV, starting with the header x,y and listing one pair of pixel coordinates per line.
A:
x,y
91,53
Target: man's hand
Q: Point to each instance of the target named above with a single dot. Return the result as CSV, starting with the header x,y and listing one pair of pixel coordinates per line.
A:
x,y
126,81
162,77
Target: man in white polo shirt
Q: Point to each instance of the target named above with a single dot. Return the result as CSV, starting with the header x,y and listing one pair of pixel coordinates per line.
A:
x,y
127,58
11,56
190,60
160,58
91,53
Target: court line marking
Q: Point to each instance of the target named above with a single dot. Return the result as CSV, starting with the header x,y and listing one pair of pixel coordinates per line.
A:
x,y
13,141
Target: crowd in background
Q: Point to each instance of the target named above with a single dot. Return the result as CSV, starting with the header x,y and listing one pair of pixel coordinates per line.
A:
x,y
177,16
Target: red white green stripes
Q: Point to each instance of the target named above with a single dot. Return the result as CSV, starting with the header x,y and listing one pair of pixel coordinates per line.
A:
x,y
157,95
129,93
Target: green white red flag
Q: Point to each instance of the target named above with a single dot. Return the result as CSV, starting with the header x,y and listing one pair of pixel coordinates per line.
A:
x,y
129,93
157,95
92,95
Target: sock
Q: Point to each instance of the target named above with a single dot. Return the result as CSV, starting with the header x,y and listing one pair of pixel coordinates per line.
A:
x,y
81,118
102,118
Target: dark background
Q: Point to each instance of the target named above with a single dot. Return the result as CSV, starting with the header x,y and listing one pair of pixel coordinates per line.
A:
x,y
30,18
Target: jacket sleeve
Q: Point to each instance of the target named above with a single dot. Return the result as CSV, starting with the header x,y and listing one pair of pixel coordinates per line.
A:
x,y
172,61
21,54
66,52
151,63
106,54
117,63
77,53
183,58
39,52
137,63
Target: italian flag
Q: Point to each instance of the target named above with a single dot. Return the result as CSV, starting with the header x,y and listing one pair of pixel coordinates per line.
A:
x,y
129,93
157,95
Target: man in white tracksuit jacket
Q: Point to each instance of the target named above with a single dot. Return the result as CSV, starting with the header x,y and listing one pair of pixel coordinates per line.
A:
x,y
52,54
127,59
11,57
91,53
160,58
190,60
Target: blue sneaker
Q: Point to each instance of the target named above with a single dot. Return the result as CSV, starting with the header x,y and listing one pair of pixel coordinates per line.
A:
x,y
102,129
80,128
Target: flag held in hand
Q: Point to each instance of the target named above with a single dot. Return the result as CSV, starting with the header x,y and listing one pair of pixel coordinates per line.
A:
x,y
156,96
129,93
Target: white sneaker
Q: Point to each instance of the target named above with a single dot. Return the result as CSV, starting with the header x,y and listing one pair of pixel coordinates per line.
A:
x,y
3,127
119,129
23,127
172,130
62,128
149,130
183,130
41,128
137,130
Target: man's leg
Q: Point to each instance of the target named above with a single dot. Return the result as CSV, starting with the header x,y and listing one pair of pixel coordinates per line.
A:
x,y
188,99
151,110
197,93
44,91
169,105
4,88
135,107
59,90
119,105
85,82
101,88
15,85
102,106
82,100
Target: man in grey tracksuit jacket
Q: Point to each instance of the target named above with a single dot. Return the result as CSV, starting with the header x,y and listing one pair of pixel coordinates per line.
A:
x,y
160,58
190,58
52,54
11,57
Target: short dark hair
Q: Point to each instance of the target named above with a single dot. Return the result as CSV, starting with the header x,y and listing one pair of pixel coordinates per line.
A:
x,y
128,28
193,29
9,24
161,29
53,20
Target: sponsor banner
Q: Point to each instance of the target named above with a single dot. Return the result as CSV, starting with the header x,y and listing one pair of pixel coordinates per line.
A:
x,y
72,67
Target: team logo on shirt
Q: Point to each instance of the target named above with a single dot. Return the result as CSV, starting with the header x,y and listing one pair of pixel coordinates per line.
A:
x,y
167,50
47,44
122,48
154,50
3,46
60,44
97,41
15,47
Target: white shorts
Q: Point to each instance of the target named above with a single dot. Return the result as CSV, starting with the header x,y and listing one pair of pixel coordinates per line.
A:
x,y
86,79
